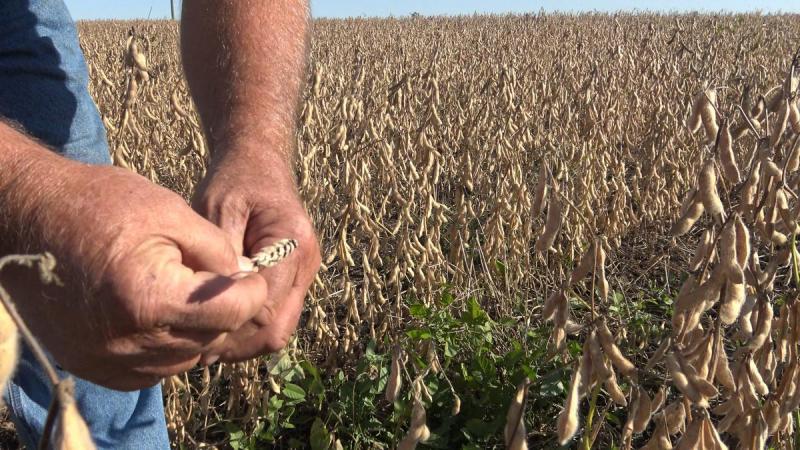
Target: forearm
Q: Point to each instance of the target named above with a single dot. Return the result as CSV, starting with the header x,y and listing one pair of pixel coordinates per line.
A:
x,y
29,172
244,62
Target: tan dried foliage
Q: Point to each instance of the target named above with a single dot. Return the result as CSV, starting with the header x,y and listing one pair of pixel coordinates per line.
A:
x,y
485,155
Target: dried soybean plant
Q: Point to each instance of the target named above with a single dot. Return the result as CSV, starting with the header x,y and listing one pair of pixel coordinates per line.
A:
x,y
64,422
491,156
731,361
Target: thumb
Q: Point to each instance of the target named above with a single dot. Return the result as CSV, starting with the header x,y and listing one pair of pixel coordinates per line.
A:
x,y
204,247
229,215
211,302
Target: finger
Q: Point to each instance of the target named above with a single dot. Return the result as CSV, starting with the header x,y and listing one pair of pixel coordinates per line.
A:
x,y
230,215
209,358
205,247
216,303
166,367
271,336
181,343
137,371
280,279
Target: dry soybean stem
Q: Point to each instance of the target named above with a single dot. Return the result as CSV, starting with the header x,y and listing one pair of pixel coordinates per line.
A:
x,y
46,263
594,275
49,423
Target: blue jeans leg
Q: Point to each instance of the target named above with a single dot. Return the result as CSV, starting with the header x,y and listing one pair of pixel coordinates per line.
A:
x,y
43,88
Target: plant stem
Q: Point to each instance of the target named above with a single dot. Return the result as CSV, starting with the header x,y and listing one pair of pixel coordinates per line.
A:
x,y
795,259
46,264
8,303
587,430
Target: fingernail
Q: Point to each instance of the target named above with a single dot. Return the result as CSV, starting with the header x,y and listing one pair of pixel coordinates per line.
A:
x,y
245,265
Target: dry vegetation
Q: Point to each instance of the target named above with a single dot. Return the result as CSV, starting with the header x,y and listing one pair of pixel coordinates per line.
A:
x,y
516,169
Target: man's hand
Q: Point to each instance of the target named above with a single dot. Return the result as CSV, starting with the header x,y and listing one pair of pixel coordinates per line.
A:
x,y
257,208
244,62
149,284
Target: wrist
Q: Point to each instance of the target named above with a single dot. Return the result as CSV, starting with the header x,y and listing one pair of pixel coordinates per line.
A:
x,y
265,158
254,134
32,177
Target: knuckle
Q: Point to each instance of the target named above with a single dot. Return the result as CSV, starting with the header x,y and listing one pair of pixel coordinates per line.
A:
x,y
230,205
276,343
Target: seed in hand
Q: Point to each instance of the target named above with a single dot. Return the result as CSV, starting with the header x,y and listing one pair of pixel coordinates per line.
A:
x,y
273,254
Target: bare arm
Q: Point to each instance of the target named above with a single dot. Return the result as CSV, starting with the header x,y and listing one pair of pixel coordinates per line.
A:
x,y
244,61
27,171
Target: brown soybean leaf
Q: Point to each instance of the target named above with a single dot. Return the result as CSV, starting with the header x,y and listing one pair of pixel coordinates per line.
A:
x,y
569,420
644,410
623,364
552,225
70,431
613,389
514,431
692,438
675,416
658,355
540,192
730,170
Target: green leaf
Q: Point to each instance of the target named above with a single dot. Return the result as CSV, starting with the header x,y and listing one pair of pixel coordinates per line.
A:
x,y
308,367
370,353
283,364
612,418
447,298
419,311
479,428
379,384
418,334
474,314
513,357
236,436
294,392
529,372
315,387
449,350
275,404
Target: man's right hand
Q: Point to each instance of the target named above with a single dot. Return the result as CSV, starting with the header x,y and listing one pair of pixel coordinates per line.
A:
x,y
149,285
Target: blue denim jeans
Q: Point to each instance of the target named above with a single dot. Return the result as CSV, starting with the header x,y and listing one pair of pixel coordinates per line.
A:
x,y
43,88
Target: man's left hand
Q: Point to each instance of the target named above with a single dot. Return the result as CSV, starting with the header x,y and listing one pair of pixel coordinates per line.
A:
x,y
257,203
